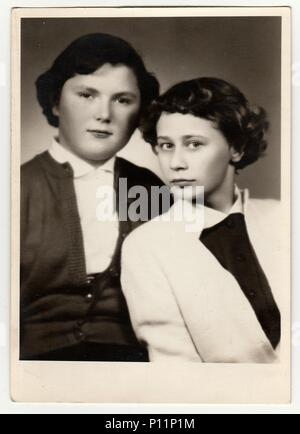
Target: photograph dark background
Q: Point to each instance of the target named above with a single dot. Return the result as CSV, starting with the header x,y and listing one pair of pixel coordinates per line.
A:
x,y
245,51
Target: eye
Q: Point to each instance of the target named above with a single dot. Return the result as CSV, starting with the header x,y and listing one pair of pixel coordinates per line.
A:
x,y
194,145
85,95
123,100
165,147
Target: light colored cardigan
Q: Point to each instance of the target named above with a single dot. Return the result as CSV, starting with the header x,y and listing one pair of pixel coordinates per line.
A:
x,y
184,305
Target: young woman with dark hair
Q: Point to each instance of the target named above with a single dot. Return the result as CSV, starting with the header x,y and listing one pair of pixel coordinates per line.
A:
x,y
210,295
72,306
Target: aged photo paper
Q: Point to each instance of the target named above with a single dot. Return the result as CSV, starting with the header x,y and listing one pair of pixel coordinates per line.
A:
x,y
129,341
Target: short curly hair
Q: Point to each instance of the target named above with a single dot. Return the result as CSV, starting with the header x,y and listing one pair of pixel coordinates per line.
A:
x,y
244,126
84,56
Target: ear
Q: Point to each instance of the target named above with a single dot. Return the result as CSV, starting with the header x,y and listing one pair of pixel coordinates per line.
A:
x,y
154,150
55,110
236,156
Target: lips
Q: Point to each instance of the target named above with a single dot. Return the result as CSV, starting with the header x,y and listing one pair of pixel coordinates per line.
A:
x,y
183,182
100,134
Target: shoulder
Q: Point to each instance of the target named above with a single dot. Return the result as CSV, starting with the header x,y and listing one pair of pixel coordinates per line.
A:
x,y
266,213
32,169
148,236
137,175
266,207
31,184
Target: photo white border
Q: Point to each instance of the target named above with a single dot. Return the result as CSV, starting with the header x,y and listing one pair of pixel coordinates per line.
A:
x,y
205,408
147,383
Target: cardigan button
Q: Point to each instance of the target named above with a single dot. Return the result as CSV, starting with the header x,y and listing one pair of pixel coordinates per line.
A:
x,y
241,257
89,297
68,169
90,280
230,223
116,274
80,335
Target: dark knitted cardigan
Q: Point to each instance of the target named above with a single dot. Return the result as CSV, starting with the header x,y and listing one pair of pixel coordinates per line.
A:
x,y
60,306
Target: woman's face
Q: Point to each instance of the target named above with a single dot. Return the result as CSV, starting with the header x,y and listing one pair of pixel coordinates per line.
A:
x,y
98,112
193,152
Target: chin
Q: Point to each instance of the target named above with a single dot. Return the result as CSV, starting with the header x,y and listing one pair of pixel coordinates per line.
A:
x,y
98,155
98,158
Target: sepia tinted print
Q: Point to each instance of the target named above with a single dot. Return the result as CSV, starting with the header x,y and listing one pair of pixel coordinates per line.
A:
x,y
151,195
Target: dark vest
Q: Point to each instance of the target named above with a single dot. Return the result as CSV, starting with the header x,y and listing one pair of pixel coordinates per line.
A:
x,y
61,307
230,244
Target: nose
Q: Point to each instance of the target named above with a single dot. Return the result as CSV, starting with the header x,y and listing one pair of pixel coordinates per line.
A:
x,y
178,161
103,111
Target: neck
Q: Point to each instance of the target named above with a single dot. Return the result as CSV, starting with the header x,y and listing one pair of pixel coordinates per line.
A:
x,y
95,163
222,198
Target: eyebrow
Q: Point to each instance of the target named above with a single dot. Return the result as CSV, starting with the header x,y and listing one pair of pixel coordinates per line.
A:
x,y
186,137
117,94
126,93
190,136
163,138
87,89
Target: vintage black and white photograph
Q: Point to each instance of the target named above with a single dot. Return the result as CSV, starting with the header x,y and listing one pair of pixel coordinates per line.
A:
x,y
151,205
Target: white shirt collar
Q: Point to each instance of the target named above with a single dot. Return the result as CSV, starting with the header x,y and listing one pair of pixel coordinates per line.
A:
x,y
79,166
203,217
212,217
195,219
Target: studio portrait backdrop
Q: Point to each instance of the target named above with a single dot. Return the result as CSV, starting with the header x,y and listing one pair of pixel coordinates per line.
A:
x,y
246,51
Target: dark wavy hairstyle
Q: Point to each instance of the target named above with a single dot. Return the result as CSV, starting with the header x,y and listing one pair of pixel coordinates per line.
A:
x,y
84,56
244,126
